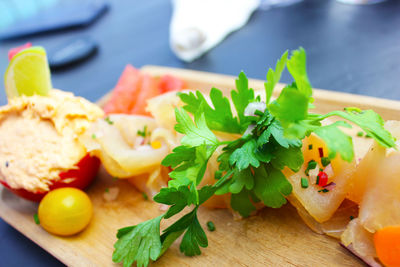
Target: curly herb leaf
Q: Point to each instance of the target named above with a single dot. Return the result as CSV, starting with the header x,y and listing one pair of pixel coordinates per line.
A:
x,y
273,77
219,117
241,203
245,156
196,133
369,121
241,97
140,244
271,186
298,69
291,105
336,140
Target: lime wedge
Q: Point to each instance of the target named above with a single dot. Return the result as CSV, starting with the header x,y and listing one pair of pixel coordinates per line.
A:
x,y
28,73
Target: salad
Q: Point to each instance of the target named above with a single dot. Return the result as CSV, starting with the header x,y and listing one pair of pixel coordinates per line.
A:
x,y
251,150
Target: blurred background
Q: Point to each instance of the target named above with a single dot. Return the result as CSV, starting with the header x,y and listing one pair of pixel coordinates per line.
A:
x,y
352,46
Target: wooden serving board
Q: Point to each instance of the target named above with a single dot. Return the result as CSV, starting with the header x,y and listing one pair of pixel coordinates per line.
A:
x,y
275,237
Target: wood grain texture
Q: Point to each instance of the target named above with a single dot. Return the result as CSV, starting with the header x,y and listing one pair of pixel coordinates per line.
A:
x,y
275,237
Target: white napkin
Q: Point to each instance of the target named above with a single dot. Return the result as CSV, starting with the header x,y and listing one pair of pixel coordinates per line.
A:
x,y
199,25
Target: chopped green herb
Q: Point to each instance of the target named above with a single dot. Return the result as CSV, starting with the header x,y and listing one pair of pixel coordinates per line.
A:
x,y
250,167
304,182
317,182
360,133
323,190
145,196
107,119
309,147
368,136
351,217
310,166
325,161
321,170
142,133
107,190
93,136
210,226
36,218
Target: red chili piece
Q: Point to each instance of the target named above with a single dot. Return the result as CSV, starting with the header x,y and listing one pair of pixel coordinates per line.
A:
x,y
322,179
321,152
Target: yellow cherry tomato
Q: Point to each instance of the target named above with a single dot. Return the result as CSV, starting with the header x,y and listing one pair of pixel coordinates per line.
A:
x,y
65,211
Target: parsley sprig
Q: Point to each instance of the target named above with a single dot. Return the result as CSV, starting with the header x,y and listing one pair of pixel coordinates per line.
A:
x,y
250,168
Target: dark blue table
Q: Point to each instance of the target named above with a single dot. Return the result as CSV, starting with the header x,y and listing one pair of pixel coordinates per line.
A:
x,y
353,49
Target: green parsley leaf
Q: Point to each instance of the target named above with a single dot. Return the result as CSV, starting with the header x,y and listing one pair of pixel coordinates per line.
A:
x,y
123,231
220,117
336,140
273,77
245,156
242,204
223,159
264,137
178,198
241,179
300,129
271,186
193,238
264,121
369,121
291,105
291,157
140,244
265,153
278,133
241,98
297,68
168,240
205,193
192,170
195,134
179,155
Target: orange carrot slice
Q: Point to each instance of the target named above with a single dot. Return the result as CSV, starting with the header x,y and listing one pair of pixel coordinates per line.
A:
x,y
387,245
